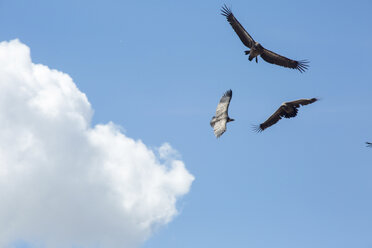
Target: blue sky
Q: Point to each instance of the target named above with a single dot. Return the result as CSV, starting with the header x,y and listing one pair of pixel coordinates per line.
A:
x,y
158,69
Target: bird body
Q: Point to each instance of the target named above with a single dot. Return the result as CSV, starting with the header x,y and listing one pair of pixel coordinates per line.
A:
x,y
286,110
221,118
289,110
256,49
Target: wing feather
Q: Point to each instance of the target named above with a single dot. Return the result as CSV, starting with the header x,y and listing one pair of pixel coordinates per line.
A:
x,y
274,118
219,127
223,105
302,102
277,59
238,28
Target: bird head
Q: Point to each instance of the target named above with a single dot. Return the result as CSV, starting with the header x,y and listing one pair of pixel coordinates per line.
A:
x,y
257,45
230,120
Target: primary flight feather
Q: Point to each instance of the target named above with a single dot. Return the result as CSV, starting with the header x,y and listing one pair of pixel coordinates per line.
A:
x,y
219,121
286,110
257,49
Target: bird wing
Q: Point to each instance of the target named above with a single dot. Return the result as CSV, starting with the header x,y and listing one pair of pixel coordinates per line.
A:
x,y
238,28
277,59
274,118
223,105
302,102
219,127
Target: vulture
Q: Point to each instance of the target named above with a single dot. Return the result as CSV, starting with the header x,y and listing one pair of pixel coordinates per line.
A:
x,y
286,110
257,49
369,144
219,121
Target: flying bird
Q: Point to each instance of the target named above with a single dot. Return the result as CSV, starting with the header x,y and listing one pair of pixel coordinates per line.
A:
x,y
257,49
369,144
219,121
286,110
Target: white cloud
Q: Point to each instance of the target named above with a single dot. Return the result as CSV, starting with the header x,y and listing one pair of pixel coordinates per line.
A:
x,y
64,183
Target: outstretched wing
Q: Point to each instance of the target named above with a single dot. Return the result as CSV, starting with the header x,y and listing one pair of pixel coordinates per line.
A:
x,y
369,144
238,28
302,102
277,59
223,105
274,118
219,127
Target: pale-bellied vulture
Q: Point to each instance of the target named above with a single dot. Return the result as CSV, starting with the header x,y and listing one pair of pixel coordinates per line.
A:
x,y
257,48
286,110
369,144
219,121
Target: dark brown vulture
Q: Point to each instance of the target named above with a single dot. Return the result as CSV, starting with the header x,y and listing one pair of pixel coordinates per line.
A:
x,y
286,110
369,144
219,121
258,49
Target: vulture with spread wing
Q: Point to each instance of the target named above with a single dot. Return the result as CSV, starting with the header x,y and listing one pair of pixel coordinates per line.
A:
x,y
286,110
257,48
369,144
219,121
